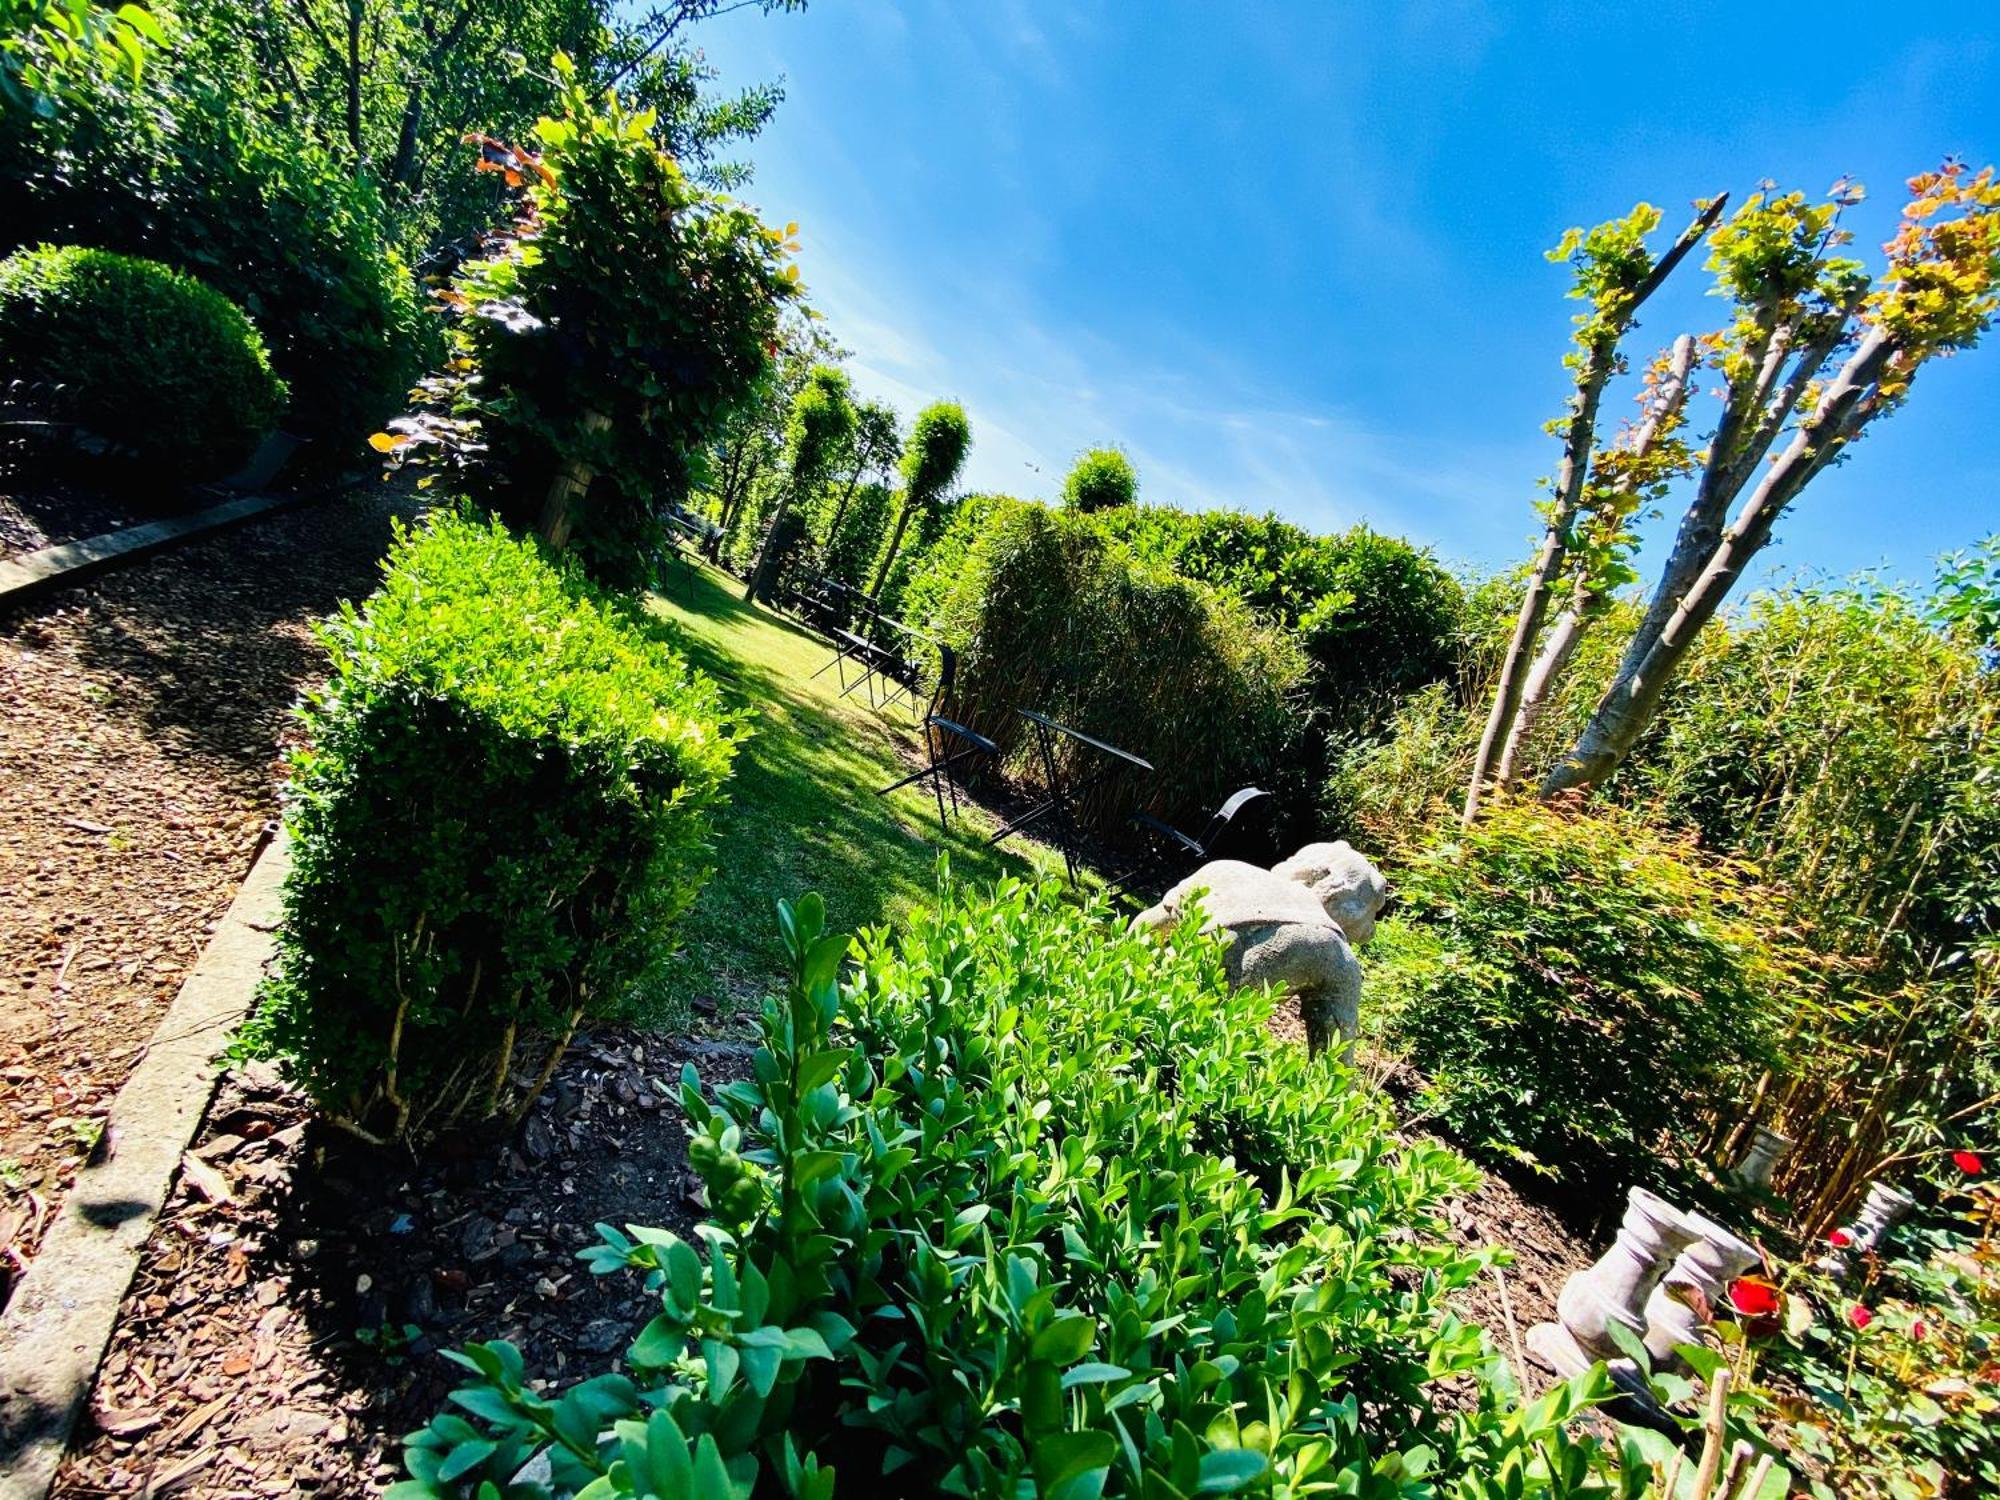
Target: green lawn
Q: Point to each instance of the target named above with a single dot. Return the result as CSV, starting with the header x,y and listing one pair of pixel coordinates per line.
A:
x,y
802,813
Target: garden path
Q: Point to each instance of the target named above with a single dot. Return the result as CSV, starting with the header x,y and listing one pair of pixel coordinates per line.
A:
x,y
139,763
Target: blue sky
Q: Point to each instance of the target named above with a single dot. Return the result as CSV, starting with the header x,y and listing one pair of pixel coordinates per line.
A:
x,y
1289,256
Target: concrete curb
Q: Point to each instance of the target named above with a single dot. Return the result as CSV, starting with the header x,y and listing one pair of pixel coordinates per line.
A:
x,y
32,572
54,1332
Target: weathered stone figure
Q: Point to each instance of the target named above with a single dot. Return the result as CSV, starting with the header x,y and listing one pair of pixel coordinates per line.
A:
x,y
1294,925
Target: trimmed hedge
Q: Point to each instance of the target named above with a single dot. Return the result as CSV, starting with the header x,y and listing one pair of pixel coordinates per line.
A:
x,y
1028,1206
139,353
1048,613
503,809
175,168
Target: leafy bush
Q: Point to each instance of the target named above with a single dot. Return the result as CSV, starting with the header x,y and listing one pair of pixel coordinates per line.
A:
x,y
140,354
1577,988
502,810
1049,614
1029,1207
1101,479
606,339
176,169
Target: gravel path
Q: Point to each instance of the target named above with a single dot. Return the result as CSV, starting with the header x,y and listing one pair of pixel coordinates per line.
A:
x,y
139,763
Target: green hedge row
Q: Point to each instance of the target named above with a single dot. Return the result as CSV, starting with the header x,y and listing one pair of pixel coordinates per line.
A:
x,y
1049,613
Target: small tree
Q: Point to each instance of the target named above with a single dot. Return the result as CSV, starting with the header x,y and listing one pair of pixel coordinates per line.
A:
x,y
1813,354
752,443
1615,273
874,446
821,425
1101,479
939,440
605,341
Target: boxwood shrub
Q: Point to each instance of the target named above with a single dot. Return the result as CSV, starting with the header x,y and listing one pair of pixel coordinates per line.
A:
x,y
503,808
139,353
1025,1206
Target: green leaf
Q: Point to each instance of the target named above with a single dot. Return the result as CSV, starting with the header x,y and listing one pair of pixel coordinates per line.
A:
x,y
1064,1456
1225,1469
1066,1339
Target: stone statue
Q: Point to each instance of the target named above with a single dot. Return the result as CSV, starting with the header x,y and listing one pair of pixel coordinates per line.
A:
x,y
1294,925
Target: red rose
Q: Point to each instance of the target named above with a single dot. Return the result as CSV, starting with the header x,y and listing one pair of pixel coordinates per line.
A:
x,y
1968,1162
1753,1297
1841,1238
1860,1316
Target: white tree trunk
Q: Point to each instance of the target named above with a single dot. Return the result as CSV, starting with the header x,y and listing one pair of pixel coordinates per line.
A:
x,y
1578,443
1634,697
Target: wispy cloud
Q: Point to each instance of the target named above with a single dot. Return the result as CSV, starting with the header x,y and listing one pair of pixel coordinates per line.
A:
x,y
1201,433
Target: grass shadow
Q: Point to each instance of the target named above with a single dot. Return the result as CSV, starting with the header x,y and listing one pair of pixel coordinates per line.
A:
x,y
804,812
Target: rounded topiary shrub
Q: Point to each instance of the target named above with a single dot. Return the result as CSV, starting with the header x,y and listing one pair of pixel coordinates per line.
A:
x,y
139,353
503,809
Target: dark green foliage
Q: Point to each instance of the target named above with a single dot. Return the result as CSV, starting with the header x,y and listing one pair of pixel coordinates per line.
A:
x,y
1028,1206
1101,479
1577,990
140,354
850,551
175,169
1375,618
503,809
939,440
819,427
609,337
1048,613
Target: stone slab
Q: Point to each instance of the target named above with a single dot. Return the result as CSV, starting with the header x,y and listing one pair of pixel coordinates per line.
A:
x,y
54,1331
32,572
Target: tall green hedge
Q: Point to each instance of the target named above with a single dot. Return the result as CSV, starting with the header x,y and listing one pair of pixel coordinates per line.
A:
x,y
1049,613
140,354
502,810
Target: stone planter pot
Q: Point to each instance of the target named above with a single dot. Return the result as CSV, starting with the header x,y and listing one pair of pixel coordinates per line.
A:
x,y
1614,1291
1760,1158
1716,1258
1882,1210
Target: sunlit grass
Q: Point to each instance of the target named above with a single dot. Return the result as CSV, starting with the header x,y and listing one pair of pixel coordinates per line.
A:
x,y
803,813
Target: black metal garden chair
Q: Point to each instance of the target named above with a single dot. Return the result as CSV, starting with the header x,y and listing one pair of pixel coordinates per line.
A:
x,y
947,743
1225,831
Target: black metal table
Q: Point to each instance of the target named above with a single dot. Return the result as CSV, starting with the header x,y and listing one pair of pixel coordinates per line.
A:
x,y
1063,796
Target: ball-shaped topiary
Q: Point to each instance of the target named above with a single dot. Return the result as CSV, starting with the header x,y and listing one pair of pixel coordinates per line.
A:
x,y
1101,480
139,353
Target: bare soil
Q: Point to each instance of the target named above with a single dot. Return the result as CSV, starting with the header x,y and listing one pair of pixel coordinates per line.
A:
x,y
283,1332
145,717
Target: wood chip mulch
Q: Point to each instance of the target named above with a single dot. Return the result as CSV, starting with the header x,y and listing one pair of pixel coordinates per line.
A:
x,y
283,1332
140,739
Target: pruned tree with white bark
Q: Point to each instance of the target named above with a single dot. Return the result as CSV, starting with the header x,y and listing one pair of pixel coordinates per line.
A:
x,y
1814,353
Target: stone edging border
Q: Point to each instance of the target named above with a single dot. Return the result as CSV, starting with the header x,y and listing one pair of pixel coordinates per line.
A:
x,y
55,1329
32,572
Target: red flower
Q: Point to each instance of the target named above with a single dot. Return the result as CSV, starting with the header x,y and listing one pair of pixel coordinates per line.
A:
x,y
1918,1329
1753,1297
1860,1316
1968,1162
1841,1238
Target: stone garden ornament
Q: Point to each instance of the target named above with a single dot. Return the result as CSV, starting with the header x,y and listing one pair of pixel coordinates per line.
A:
x,y
1295,926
